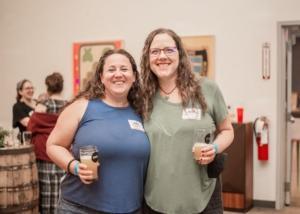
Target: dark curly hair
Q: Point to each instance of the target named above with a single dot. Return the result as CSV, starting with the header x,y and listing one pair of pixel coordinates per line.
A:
x,y
187,83
95,88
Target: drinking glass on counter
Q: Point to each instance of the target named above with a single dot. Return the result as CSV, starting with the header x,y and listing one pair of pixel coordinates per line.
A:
x,y
26,138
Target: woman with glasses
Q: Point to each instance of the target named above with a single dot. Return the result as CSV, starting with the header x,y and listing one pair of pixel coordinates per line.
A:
x,y
24,106
177,103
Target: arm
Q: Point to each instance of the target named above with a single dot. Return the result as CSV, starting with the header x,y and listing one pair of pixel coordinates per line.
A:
x,y
21,114
225,136
60,139
40,108
24,121
222,141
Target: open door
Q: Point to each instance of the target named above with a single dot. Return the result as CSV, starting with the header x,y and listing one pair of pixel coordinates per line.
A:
x,y
284,117
290,119
288,33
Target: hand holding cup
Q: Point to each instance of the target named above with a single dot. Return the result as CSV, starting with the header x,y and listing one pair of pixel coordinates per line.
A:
x,y
203,151
88,168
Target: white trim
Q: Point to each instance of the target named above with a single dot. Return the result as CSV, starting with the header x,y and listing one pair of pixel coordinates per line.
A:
x,y
281,115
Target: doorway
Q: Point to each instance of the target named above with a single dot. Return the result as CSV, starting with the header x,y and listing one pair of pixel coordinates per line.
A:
x,y
294,129
288,114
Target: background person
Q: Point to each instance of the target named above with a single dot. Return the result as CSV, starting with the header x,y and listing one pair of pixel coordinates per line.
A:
x,y
41,124
52,101
24,106
107,115
176,103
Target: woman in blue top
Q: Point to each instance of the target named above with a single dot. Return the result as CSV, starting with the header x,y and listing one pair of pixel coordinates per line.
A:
x,y
106,115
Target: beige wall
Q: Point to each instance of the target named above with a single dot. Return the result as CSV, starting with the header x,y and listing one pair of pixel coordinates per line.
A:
x,y
37,36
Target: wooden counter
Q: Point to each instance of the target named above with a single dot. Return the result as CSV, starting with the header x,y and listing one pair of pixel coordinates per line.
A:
x,y
237,177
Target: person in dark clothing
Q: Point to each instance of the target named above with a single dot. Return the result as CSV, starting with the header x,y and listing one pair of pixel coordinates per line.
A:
x,y
24,106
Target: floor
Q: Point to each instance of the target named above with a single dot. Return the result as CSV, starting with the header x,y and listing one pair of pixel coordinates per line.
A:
x,y
294,208
259,210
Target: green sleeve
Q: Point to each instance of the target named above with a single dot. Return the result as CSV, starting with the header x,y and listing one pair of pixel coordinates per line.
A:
x,y
219,108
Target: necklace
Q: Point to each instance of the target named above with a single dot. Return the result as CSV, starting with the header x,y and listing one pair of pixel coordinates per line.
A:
x,y
167,93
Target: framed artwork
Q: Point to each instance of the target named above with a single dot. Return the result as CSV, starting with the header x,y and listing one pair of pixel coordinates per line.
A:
x,y
85,59
201,53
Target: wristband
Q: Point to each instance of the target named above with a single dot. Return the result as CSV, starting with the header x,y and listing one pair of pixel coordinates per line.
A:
x,y
216,147
69,164
76,168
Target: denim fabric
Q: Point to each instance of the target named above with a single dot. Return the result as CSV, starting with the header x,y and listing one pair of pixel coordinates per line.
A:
x,y
67,207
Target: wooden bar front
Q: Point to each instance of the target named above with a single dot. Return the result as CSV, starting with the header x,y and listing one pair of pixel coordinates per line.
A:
x,y
237,177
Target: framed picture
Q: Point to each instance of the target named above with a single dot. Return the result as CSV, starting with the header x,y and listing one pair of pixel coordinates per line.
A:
x,y
201,52
85,59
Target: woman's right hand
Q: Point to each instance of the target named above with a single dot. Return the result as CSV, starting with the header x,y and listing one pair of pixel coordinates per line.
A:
x,y
85,175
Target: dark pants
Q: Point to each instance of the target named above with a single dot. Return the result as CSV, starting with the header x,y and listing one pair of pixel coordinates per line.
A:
x,y
214,206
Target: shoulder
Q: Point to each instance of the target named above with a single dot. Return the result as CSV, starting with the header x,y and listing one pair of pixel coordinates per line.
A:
x,y
75,109
208,83
78,105
208,86
40,107
19,106
15,105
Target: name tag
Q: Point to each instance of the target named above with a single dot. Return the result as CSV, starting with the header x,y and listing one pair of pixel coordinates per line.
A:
x,y
191,114
136,125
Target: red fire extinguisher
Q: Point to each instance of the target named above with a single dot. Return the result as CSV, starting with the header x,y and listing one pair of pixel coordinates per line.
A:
x,y
261,132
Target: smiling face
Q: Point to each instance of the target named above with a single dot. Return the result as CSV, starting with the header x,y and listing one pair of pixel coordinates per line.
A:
x,y
164,57
117,77
26,91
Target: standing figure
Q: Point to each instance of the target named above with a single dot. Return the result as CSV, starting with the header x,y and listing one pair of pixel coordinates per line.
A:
x,y
52,102
176,104
106,115
41,124
24,106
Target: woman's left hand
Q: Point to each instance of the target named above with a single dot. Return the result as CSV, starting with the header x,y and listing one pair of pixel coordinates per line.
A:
x,y
207,155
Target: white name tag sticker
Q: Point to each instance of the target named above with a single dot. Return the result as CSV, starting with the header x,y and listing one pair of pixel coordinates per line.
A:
x,y
136,125
191,114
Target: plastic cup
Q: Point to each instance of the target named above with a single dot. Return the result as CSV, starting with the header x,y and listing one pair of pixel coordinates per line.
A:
x,y
240,114
26,137
89,157
202,138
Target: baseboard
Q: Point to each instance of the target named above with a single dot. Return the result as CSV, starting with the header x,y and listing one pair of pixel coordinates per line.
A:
x,y
262,203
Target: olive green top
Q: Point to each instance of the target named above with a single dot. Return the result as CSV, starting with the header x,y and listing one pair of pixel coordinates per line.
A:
x,y
175,182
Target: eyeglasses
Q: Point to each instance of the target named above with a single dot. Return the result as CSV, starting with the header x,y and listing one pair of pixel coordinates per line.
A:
x,y
168,51
28,88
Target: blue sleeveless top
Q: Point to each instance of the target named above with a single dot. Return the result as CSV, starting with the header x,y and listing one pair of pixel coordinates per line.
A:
x,y
123,150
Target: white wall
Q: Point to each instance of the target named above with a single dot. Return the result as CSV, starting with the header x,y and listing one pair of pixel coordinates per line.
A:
x,y
37,36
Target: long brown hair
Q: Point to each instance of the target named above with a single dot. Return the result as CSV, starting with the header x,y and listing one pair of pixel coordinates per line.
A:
x,y
187,83
95,88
